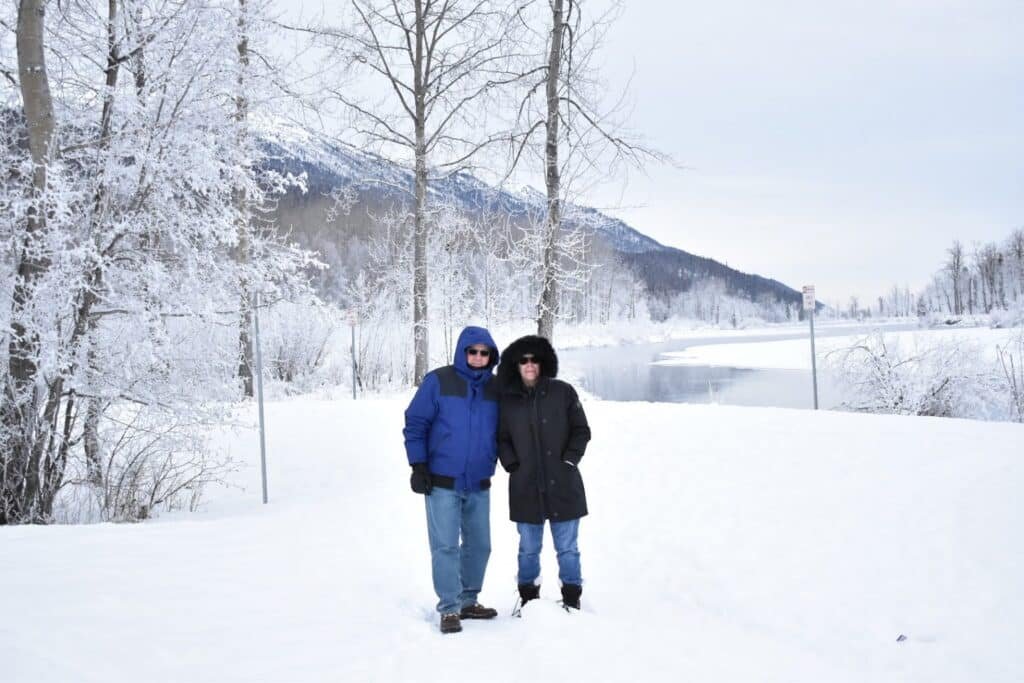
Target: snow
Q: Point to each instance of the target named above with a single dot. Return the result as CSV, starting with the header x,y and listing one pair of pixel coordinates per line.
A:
x,y
724,544
646,331
795,354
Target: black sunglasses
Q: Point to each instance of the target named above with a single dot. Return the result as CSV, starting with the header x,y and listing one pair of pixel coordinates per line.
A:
x,y
478,352
528,359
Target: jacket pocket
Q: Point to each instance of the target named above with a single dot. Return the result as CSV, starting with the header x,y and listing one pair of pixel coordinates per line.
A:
x,y
573,481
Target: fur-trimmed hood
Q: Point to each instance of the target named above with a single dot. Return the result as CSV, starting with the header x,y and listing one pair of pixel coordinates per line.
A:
x,y
508,370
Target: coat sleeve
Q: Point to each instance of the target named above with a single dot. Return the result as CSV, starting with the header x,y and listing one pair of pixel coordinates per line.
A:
x,y
506,448
419,417
579,430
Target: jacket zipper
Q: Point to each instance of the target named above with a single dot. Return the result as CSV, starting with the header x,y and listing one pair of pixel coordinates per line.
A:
x,y
541,467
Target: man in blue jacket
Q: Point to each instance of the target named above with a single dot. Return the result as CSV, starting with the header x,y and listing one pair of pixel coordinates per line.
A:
x,y
451,441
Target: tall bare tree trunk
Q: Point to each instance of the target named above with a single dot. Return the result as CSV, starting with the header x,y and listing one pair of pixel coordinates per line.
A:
x,y
421,341
955,267
18,414
244,248
1017,251
94,405
440,60
552,179
138,59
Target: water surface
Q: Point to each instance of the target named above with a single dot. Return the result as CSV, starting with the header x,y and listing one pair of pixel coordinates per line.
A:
x,y
626,373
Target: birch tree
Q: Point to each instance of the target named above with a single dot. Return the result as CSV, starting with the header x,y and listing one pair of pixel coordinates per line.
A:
x,y
21,480
436,62
955,267
264,88
583,137
241,200
1015,262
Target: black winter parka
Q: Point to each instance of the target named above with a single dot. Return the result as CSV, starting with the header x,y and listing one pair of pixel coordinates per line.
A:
x,y
542,436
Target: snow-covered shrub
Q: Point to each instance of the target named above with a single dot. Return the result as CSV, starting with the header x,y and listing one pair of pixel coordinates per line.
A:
x,y
383,332
147,459
942,378
140,414
741,323
1011,378
1007,318
297,341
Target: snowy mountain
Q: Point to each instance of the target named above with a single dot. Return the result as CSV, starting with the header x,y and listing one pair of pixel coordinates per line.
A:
x,y
382,184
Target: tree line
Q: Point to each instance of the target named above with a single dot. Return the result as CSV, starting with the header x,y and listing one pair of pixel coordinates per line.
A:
x,y
985,279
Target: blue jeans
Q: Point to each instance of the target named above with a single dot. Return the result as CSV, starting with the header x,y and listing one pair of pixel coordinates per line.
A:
x,y
458,569
531,538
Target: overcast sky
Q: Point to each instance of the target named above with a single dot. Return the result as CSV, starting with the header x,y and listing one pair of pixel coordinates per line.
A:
x,y
839,143
844,144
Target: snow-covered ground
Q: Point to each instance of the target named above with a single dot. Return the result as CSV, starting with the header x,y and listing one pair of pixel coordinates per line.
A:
x,y
724,544
795,354
619,332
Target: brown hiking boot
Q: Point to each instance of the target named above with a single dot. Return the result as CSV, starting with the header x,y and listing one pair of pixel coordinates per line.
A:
x,y
478,611
450,623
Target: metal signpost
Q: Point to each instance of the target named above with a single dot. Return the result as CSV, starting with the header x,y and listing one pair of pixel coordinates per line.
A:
x,y
809,307
352,325
259,392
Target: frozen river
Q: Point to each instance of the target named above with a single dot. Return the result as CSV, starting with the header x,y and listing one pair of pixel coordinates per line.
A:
x,y
629,373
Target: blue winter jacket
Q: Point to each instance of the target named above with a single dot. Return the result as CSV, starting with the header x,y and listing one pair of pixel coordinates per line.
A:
x,y
452,422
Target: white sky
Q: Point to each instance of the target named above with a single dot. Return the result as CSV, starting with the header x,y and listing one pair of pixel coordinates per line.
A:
x,y
844,144
839,143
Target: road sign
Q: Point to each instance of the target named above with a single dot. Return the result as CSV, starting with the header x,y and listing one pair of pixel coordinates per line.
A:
x,y
352,319
809,297
259,392
809,302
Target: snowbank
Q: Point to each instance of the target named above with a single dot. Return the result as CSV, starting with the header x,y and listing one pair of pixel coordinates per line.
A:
x,y
724,544
795,354
619,332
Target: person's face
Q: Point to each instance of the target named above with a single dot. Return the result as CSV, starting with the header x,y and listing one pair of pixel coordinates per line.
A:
x,y
478,356
529,369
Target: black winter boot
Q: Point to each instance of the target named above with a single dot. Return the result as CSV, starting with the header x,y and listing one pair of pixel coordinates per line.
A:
x,y
528,591
571,595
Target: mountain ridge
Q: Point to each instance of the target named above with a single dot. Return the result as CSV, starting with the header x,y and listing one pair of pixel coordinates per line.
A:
x,y
665,270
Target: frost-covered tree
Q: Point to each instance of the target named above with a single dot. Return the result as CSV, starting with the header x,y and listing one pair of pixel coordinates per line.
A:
x,y
437,62
955,269
991,281
122,286
562,120
1015,263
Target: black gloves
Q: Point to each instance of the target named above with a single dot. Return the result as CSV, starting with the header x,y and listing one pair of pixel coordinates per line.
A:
x,y
513,467
420,479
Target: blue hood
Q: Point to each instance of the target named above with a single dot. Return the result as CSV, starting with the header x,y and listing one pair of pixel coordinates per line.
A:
x,y
468,337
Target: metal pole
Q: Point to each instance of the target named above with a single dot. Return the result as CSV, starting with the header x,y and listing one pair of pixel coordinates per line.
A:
x,y
352,324
814,361
259,395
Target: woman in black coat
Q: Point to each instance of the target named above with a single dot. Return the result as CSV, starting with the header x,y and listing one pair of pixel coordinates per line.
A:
x,y
542,435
